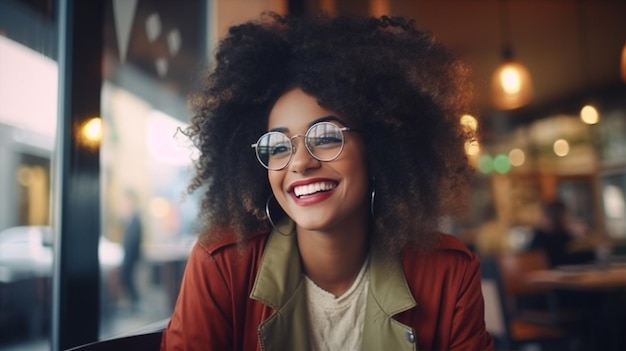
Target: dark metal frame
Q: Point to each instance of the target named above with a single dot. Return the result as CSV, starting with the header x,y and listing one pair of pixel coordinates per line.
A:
x,y
76,276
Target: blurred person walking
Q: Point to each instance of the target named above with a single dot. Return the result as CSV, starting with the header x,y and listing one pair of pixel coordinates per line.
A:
x,y
133,234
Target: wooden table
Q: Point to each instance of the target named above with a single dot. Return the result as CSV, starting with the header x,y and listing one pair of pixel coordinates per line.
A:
x,y
581,277
605,284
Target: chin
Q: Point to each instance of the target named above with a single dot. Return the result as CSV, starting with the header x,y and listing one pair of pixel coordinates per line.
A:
x,y
311,224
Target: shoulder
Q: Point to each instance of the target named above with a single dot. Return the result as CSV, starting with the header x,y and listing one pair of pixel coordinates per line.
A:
x,y
227,241
447,242
447,245
448,252
227,248
226,260
447,270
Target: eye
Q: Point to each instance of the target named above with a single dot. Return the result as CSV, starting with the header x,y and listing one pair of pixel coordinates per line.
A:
x,y
280,149
324,135
325,139
274,144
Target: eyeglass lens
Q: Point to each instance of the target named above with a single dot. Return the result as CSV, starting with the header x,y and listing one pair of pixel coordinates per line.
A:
x,y
323,140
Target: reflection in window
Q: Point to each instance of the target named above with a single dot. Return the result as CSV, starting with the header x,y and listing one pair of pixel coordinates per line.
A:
x,y
146,165
33,177
27,128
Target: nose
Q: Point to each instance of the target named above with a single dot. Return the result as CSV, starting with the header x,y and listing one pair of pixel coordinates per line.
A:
x,y
302,160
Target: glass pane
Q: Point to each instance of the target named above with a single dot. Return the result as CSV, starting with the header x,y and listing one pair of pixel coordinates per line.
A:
x,y
147,220
28,108
148,229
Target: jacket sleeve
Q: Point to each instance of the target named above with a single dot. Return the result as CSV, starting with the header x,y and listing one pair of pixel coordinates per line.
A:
x,y
202,318
468,323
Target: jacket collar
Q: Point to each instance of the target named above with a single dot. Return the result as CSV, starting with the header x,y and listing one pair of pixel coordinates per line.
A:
x,y
280,272
279,285
388,286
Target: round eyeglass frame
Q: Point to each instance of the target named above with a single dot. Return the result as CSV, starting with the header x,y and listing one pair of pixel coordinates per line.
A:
x,y
306,145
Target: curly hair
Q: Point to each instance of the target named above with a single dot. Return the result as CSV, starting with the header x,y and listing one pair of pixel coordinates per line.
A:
x,y
405,90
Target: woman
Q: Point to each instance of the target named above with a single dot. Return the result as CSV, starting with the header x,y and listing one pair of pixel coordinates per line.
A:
x,y
330,243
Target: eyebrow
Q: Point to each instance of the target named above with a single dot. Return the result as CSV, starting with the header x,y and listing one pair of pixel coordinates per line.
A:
x,y
318,120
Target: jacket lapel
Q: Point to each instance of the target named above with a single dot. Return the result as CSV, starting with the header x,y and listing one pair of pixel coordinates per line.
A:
x,y
279,285
388,295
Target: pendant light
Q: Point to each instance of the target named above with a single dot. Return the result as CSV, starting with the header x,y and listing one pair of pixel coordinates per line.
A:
x,y
589,113
511,85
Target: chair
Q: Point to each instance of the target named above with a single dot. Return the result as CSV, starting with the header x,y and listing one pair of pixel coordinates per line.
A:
x,y
144,342
147,338
510,332
513,269
529,301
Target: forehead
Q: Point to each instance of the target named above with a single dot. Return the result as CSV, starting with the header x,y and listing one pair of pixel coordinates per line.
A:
x,y
295,110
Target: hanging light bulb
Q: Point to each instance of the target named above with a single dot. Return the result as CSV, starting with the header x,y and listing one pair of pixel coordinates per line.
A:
x,y
589,114
511,85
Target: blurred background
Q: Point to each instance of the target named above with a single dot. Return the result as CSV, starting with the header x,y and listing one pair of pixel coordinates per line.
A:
x,y
95,224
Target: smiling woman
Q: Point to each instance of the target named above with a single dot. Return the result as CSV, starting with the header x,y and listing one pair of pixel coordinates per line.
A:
x,y
327,239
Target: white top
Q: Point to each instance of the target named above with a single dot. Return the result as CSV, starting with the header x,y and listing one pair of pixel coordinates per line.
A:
x,y
337,322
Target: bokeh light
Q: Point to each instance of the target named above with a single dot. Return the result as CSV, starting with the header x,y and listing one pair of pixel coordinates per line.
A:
x,y
90,132
469,121
561,147
485,164
517,157
472,147
589,114
501,164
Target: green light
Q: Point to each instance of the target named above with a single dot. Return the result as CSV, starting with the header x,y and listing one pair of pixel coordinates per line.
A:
x,y
485,164
502,164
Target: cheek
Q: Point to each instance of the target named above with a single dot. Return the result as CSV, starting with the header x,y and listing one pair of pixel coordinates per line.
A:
x,y
356,170
276,183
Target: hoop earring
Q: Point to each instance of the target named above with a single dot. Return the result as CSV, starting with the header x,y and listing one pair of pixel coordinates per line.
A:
x,y
269,217
372,198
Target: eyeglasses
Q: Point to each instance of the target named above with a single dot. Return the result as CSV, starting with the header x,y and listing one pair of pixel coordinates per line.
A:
x,y
323,140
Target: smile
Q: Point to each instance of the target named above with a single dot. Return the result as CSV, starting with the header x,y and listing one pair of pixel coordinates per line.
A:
x,y
308,189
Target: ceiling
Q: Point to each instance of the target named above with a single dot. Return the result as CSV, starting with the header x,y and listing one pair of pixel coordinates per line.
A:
x,y
569,46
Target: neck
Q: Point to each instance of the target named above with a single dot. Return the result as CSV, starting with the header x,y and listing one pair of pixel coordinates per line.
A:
x,y
333,259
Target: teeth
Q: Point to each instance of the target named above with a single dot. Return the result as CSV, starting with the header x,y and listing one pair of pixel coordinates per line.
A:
x,y
313,188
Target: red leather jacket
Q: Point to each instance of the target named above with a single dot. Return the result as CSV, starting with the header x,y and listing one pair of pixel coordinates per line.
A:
x,y
253,299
